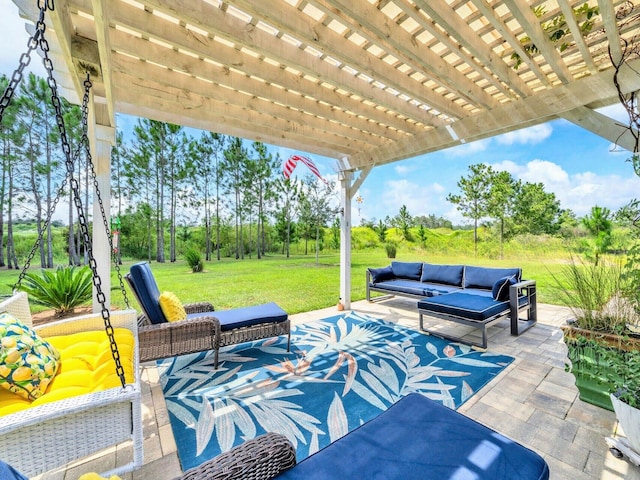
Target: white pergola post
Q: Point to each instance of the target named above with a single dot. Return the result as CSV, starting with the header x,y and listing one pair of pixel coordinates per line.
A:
x,y
347,191
345,238
101,138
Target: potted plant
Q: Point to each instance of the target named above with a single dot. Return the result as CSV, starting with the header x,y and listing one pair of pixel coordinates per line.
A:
x,y
626,398
598,336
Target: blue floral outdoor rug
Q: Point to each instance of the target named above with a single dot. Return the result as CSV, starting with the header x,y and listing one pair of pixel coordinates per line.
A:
x,y
340,373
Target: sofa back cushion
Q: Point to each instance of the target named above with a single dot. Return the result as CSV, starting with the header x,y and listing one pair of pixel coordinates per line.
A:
x,y
445,274
408,270
486,277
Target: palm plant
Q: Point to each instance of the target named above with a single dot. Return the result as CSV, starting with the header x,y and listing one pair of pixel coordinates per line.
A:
x,y
194,260
63,289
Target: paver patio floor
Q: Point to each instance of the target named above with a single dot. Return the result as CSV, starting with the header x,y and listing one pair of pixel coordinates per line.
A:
x,y
533,401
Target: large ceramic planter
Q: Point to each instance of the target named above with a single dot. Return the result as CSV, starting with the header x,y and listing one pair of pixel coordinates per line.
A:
x,y
594,377
629,419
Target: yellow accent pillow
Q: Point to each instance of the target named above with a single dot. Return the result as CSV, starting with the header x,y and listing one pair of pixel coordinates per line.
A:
x,y
95,476
172,307
28,363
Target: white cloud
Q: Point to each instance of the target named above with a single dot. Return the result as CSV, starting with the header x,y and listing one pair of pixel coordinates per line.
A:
x,y
531,135
403,169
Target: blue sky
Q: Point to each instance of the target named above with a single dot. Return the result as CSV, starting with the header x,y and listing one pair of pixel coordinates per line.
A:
x,y
579,167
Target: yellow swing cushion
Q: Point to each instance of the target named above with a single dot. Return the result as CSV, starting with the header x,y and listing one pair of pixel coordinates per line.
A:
x,y
86,365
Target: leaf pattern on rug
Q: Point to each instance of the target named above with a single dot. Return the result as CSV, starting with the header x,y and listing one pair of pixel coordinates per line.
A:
x,y
340,372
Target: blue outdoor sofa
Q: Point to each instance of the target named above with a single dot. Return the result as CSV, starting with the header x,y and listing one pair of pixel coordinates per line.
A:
x,y
477,297
416,438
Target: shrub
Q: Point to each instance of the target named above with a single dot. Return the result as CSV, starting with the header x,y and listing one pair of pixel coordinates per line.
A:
x,y
595,294
194,260
63,289
391,249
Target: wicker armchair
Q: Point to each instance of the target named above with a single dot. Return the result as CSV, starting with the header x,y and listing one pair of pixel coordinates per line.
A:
x,y
261,458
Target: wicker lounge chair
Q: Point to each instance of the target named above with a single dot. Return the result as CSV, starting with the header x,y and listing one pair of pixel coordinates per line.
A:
x,y
204,328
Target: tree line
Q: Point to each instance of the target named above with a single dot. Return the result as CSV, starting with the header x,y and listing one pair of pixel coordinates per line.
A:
x,y
173,188
165,180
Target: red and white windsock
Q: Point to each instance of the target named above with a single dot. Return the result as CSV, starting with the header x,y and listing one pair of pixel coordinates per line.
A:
x,y
289,166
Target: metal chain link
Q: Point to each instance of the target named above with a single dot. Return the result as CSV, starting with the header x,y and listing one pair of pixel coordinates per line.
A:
x,y
94,176
25,60
73,183
45,225
16,78
38,39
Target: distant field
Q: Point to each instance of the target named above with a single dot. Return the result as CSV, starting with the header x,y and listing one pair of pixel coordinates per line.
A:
x,y
297,283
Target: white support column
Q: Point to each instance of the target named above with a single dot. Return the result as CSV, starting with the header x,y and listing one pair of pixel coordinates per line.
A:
x,y
101,139
345,238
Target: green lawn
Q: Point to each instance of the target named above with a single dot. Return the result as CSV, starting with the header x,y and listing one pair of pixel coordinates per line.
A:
x,y
297,284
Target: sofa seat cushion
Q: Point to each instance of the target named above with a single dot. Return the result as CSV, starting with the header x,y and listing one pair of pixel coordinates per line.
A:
x,y
246,316
486,277
400,285
433,289
445,274
466,305
418,438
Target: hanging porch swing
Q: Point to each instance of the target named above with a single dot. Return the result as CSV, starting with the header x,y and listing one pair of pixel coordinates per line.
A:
x,y
85,408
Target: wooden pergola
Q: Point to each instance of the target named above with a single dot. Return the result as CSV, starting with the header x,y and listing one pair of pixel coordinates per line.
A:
x,y
364,82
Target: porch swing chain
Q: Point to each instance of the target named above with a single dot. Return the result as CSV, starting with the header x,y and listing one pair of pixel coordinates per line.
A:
x,y
85,142
39,39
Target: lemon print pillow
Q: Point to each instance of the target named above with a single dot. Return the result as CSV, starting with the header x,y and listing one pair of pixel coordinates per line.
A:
x,y
28,363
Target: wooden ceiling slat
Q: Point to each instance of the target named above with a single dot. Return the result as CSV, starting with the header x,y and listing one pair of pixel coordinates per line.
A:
x,y
195,105
161,78
221,75
288,19
380,30
214,20
544,106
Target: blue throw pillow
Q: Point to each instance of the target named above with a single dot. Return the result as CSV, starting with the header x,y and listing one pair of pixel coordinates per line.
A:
x,y
409,270
381,274
500,290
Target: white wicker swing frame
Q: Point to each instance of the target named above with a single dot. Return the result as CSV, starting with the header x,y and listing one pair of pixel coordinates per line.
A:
x,y
52,435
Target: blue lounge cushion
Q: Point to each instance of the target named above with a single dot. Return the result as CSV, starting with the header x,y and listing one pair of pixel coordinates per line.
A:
x,y
409,270
246,316
416,439
467,305
445,274
486,277
147,291
432,289
500,290
381,274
